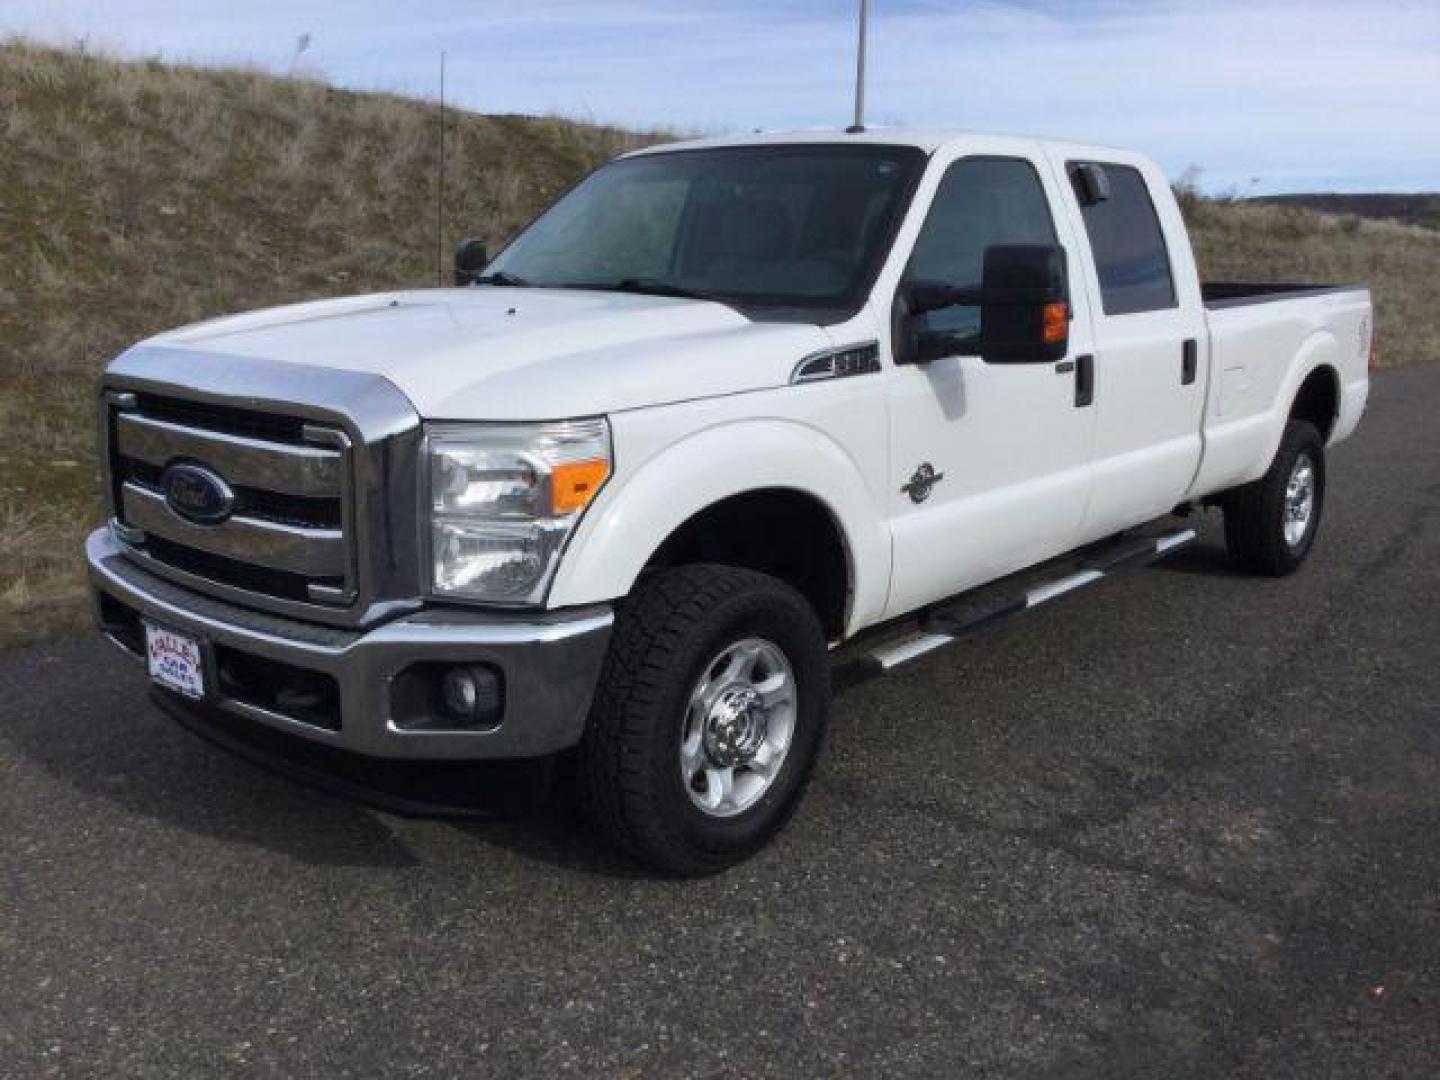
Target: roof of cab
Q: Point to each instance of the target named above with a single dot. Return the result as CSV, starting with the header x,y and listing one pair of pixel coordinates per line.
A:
x,y
927,139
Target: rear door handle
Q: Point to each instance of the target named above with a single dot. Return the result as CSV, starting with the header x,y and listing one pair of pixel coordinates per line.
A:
x,y
1084,380
1189,361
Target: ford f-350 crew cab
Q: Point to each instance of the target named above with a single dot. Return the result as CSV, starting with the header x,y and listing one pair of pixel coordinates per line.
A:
x,y
726,412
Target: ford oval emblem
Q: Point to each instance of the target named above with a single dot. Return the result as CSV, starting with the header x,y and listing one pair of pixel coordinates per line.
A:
x,y
197,494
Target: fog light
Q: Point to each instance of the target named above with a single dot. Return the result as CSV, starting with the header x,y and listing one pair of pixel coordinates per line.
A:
x,y
448,697
470,696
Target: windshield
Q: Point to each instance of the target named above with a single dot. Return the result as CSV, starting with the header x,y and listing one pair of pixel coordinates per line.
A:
x,y
763,228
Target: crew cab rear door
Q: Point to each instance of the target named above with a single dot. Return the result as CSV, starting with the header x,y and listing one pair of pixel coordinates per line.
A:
x,y
1150,343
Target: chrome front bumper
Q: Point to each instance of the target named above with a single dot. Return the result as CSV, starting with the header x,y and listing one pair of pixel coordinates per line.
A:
x,y
550,663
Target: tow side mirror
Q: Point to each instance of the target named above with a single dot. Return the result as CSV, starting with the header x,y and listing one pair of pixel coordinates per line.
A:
x,y
1028,322
471,258
1023,310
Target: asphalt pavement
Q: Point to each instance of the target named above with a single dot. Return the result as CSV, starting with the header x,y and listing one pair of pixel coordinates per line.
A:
x,y
1184,824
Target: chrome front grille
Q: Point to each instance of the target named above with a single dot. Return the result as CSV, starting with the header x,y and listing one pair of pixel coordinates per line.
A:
x,y
304,470
322,464
290,533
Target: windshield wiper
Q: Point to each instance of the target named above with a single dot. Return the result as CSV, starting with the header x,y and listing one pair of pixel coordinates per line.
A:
x,y
501,277
652,287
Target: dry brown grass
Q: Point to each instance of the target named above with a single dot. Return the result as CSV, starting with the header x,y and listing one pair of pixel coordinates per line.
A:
x,y
1243,241
138,196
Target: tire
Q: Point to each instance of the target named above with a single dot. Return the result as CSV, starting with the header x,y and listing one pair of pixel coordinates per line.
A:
x,y
1257,515
673,635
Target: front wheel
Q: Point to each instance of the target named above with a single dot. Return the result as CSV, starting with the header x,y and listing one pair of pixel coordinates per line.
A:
x,y
1270,524
708,719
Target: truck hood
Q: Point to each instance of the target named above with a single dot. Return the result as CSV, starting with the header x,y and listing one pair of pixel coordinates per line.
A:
x,y
515,354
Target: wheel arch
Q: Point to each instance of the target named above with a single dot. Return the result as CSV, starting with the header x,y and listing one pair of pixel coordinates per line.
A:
x,y
1317,359
687,502
1317,399
784,532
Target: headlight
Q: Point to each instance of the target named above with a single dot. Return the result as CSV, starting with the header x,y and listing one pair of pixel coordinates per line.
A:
x,y
503,500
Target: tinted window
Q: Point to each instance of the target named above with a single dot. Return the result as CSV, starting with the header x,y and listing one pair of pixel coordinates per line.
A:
x,y
1128,245
981,201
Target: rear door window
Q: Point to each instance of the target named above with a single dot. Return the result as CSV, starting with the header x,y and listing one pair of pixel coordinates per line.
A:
x,y
1128,244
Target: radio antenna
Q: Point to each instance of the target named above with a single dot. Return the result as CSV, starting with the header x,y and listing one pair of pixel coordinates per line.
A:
x,y
440,188
859,124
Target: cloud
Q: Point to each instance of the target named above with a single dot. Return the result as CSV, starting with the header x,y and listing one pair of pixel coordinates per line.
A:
x,y
1301,95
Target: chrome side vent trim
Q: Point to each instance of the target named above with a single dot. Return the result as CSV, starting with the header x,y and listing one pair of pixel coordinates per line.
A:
x,y
841,363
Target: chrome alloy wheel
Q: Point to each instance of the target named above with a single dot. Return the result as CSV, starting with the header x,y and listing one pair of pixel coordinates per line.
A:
x,y
1299,500
738,727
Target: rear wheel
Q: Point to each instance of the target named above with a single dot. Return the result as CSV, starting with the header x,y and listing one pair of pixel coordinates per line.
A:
x,y
708,719
1270,524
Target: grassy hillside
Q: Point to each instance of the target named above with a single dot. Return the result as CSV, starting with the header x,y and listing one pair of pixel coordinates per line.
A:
x,y
1417,209
1253,241
136,196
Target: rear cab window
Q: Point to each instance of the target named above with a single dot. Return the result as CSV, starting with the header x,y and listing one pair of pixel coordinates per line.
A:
x,y
1126,241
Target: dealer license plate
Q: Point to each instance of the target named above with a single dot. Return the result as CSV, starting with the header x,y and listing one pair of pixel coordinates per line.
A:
x,y
175,661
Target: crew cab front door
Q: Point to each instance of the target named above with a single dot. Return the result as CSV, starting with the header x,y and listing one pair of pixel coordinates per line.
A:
x,y
990,461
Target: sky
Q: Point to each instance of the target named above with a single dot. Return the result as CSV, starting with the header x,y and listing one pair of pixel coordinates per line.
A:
x,y
1260,95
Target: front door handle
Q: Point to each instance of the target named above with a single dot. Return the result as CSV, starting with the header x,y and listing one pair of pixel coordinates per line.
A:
x,y
1189,361
1084,380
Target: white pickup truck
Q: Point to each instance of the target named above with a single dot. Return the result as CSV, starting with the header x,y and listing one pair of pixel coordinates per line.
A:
x,y
728,419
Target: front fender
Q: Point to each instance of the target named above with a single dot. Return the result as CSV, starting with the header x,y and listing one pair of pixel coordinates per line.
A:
x,y
631,520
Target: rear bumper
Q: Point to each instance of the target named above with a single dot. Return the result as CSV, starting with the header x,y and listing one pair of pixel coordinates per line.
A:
x,y
549,662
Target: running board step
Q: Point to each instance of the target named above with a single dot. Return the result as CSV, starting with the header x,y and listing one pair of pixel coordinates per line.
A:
x,y
947,624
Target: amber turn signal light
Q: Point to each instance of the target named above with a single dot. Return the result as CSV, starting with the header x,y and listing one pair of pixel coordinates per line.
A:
x,y
574,483
1056,322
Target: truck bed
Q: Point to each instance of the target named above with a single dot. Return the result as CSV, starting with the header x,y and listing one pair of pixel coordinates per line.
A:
x,y
1258,350
1223,294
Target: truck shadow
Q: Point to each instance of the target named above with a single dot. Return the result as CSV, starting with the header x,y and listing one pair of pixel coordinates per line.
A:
x,y
1206,557
100,737
553,834
104,740
110,746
